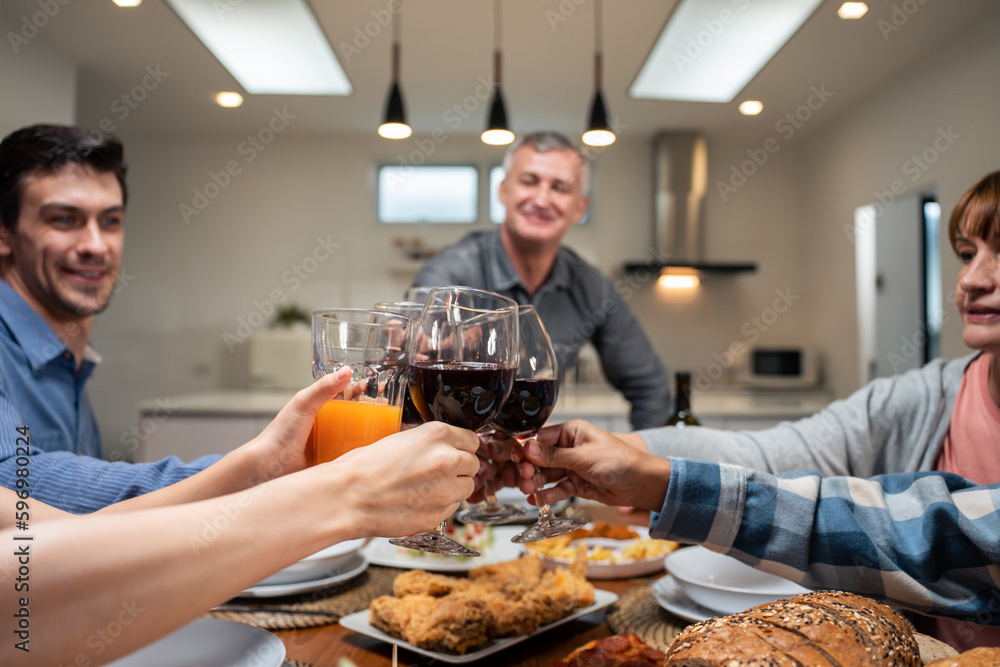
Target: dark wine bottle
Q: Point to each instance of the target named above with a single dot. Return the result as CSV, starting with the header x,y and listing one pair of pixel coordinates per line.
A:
x,y
683,416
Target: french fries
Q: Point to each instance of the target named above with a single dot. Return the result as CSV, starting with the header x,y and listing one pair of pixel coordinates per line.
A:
x,y
633,547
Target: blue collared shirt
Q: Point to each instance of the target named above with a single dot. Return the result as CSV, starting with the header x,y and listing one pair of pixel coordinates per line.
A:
x,y
41,389
39,374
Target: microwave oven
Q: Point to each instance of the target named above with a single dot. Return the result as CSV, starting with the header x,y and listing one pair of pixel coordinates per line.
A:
x,y
783,368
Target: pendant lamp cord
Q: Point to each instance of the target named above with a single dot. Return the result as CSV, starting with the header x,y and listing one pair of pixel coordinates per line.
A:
x,y
597,44
396,28
497,36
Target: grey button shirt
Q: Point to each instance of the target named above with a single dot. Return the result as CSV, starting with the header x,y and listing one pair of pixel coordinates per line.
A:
x,y
577,304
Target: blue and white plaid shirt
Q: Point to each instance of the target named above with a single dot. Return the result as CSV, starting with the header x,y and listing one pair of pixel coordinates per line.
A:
x,y
926,541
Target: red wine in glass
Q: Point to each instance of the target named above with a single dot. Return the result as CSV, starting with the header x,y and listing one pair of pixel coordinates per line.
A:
x,y
468,395
529,406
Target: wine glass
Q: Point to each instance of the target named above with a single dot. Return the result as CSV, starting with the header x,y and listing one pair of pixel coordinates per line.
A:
x,y
411,417
372,345
491,511
462,358
530,404
417,294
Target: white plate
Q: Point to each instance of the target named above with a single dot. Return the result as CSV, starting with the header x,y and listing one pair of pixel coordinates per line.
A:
x,y
210,642
668,594
723,583
610,569
358,622
325,563
380,552
352,568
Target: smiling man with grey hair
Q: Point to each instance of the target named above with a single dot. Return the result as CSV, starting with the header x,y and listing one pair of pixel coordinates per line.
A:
x,y
545,193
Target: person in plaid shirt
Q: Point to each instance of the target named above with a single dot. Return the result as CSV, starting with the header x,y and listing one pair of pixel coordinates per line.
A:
x,y
892,493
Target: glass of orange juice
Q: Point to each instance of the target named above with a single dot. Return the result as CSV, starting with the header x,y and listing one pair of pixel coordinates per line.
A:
x,y
373,345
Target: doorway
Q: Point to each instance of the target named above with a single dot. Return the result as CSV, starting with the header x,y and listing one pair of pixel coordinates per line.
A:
x,y
898,278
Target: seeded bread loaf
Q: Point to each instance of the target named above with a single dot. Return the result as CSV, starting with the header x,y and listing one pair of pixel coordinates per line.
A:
x,y
829,629
976,657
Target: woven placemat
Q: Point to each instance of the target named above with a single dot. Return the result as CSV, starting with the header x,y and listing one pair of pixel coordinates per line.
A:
x,y
334,602
636,611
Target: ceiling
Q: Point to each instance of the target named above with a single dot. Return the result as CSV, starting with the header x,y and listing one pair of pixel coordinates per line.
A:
x,y
447,55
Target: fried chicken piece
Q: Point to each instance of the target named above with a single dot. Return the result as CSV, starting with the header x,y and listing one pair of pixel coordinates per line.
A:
x,y
520,607
553,598
526,568
613,531
511,616
393,615
454,623
418,582
459,623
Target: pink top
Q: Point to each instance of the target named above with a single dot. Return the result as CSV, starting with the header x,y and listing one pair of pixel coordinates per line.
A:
x,y
970,450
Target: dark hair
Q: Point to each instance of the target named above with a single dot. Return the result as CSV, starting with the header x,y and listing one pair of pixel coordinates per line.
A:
x,y
977,212
45,149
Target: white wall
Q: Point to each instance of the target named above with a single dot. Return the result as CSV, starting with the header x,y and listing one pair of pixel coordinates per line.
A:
x,y
38,82
847,163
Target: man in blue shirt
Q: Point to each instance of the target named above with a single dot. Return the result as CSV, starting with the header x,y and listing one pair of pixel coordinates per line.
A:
x,y
62,209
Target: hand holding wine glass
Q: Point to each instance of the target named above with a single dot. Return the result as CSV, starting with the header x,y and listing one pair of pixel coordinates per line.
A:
x,y
462,356
529,406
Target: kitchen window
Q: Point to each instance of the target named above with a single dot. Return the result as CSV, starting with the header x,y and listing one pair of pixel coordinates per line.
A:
x,y
446,194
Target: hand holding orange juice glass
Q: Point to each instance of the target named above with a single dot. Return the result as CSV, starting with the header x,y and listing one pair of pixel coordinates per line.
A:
x,y
373,345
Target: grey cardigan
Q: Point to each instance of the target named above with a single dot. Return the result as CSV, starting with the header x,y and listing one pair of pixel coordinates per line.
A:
x,y
891,425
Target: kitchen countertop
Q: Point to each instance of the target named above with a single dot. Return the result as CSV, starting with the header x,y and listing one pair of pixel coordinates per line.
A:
x,y
574,401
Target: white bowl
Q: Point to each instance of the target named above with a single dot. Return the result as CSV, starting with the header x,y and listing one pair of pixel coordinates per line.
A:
x,y
723,583
320,565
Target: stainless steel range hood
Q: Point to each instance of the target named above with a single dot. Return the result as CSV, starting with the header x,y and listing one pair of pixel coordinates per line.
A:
x,y
680,172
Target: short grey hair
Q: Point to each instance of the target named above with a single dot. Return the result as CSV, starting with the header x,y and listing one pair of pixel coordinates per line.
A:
x,y
550,141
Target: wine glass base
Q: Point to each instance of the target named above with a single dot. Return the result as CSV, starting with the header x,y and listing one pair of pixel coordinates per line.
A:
x,y
434,543
546,528
489,515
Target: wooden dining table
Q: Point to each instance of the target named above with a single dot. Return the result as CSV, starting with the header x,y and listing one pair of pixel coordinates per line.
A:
x,y
324,646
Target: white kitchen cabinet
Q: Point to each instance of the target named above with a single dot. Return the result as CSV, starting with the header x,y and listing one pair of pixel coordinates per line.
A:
x,y
190,436
193,425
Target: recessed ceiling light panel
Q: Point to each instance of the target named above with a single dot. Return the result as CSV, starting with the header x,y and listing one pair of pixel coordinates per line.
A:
x,y
751,107
710,49
273,47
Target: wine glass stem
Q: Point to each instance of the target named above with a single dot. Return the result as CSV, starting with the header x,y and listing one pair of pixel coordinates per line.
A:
x,y
489,488
544,511
489,492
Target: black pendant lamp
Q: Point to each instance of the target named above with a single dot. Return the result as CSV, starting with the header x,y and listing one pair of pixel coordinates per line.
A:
x,y
496,133
599,131
394,124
